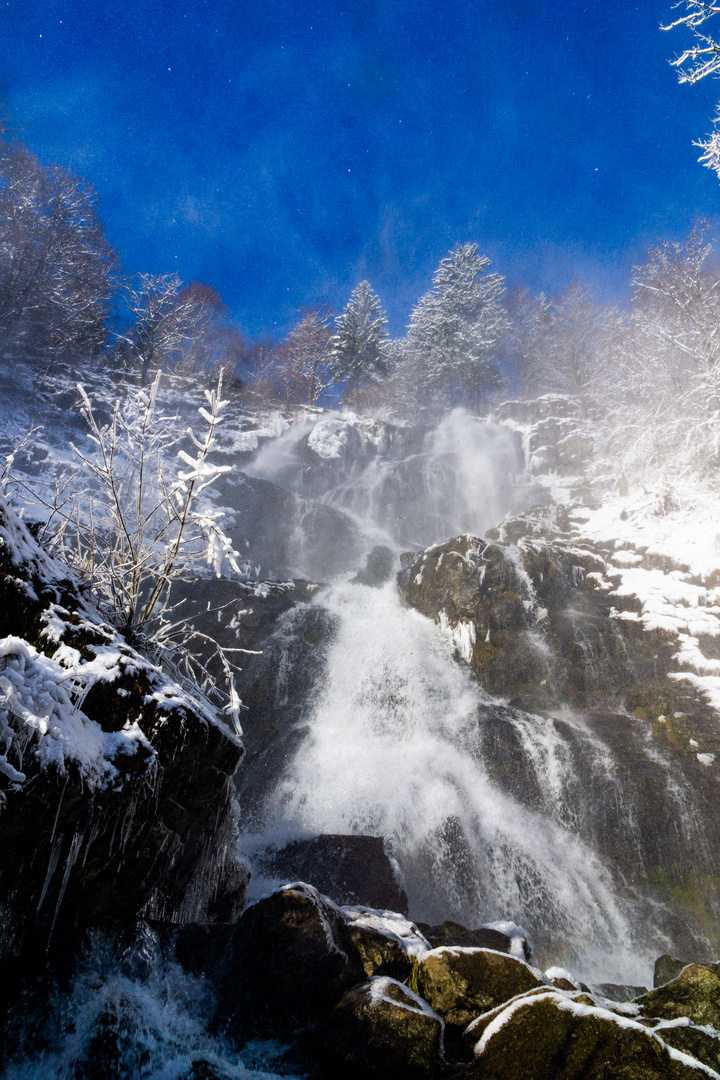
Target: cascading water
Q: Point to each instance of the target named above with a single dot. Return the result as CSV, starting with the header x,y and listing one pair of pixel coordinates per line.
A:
x,y
393,748
392,741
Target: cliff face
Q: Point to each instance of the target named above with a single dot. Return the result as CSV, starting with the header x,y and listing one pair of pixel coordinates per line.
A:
x,y
116,783
604,648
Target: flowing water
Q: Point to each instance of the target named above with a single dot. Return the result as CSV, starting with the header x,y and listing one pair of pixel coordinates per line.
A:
x,y
393,740
490,812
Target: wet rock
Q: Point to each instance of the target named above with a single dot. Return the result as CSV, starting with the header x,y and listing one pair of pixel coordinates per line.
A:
x,y
491,936
165,808
619,992
291,962
379,567
384,1030
350,869
667,968
460,983
695,993
550,1035
701,1044
276,686
292,955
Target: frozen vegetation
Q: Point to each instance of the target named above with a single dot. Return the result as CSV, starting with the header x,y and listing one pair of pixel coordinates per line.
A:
x,y
461,588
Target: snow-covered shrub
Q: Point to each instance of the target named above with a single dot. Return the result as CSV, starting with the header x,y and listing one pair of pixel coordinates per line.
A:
x,y
141,523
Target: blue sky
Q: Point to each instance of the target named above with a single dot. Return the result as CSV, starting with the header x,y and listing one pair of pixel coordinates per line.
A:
x,y
283,150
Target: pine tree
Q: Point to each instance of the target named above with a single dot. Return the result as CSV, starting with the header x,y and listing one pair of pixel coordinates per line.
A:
x,y
455,330
359,344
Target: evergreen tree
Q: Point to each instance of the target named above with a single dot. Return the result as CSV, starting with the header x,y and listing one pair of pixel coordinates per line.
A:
x,y
358,346
455,331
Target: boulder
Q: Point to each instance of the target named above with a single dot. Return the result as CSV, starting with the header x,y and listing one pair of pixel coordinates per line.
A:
x,y
385,941
378,569
703,1044
500,937
350,869
382,1029
551,1035
291,957
695,993
667,968
290,963
460,983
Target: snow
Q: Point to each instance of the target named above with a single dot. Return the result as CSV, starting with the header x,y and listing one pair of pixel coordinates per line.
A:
x,y
328,438
391,925
381,990
567,1002
40,715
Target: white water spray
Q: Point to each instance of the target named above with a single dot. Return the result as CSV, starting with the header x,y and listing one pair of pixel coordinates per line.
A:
x,y
393,749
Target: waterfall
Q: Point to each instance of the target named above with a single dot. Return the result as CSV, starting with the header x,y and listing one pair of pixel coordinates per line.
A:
x,y
393,740
393,747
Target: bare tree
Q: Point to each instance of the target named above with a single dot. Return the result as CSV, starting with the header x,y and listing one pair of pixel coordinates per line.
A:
x,y
663,399
55,263
305,358
700,60
142,524
565,344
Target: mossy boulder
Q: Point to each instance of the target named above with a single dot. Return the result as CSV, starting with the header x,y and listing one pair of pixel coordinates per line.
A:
x,y
556,1036
695,993
460,983
703,1044
382,1029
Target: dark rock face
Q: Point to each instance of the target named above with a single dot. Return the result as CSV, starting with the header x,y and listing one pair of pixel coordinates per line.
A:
x,y
483,937
348,869
156,833
532,612
378,569
667,968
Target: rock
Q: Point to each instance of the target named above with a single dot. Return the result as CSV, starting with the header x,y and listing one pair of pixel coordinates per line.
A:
x,y
350,869
549,1035
205,1069
386,943
667,968
290,963
702,1044
292,955
489,936
460,983
159,801
378,569
619,992
695,993
386,1031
